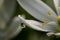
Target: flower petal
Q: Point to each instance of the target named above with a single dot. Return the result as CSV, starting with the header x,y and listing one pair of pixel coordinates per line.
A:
x,y
33,24
50,34
15,28
52,27
48,27
57,35
38,9
57,5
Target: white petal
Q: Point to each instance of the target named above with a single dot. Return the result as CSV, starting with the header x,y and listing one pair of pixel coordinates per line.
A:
x,y
52,27
50,34
54,34
33,24
15,28
49,27
57,5
57,34
38,9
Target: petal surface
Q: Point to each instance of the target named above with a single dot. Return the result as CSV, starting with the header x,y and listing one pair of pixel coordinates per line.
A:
x,y
57,5
52,27
54,34
33,24
15,28
48,27
38,9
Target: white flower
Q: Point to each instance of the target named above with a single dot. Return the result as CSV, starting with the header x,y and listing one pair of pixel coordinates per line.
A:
x,y
41,11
